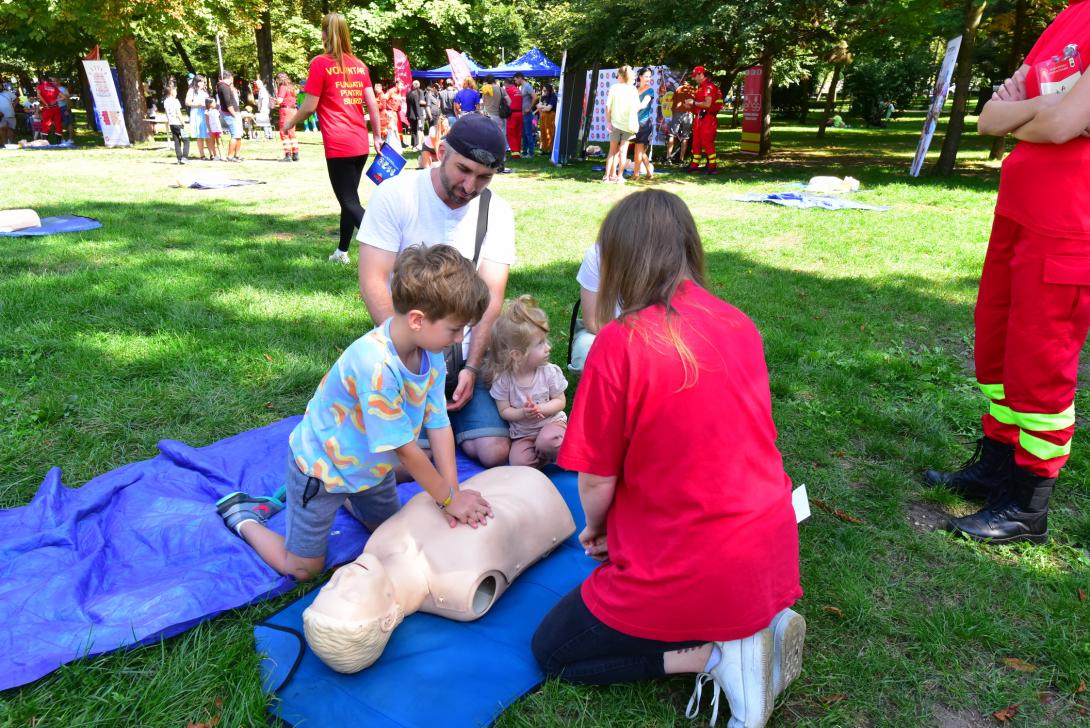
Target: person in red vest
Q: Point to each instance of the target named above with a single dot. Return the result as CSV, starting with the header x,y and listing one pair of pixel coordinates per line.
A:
x,y
705,106
50,96
1033,305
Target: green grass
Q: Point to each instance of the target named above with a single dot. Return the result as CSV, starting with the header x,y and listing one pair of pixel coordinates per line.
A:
x,y
196,315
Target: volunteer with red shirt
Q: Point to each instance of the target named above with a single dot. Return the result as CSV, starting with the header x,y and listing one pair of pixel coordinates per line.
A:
x,y
337,87
1033,305
686,500
705,105
49,95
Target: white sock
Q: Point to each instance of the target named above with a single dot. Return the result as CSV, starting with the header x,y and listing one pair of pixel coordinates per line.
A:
x,y
240,524
713,658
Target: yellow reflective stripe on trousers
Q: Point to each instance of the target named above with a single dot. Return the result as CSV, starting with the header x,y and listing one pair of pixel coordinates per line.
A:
x,y
1002,413
991,391
1042,449
1041,422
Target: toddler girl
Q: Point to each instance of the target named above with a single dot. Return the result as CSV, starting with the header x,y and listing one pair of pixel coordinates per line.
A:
x,y
528,389
215,128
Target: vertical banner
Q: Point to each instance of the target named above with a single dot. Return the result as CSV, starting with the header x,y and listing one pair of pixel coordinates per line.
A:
x,y
554,155
459,69
938,99
403,77
107,105
753,87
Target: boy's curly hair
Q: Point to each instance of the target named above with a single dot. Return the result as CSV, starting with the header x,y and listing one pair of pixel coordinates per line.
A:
x,y
439,281
517,329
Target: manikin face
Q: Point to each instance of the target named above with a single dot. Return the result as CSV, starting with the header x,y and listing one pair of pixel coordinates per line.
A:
x,y
359,592
538,354
461,178
434,336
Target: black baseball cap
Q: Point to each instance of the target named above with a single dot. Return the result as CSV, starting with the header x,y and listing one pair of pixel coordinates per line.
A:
x,y
476,137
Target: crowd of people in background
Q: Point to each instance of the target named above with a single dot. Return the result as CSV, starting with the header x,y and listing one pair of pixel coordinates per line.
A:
x,y
40,113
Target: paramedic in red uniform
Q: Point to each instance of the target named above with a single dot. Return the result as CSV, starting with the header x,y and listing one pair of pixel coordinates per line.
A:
x,y
1033,306
49,95
705,106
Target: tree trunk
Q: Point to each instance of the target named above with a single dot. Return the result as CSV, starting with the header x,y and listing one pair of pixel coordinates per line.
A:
x,y
830,101
807,86
263,35
184,56
132,90
999,145
736,105
766,103
963,76
86,98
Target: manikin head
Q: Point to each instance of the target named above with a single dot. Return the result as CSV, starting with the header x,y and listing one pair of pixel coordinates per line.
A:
x,y
351,619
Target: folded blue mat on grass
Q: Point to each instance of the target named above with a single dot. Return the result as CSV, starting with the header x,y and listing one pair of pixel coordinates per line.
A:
x,y
139,553
214,184
805,200
56,224
433,672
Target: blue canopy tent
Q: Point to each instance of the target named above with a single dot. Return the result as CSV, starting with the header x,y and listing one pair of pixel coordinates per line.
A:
x,y
444,71
532,63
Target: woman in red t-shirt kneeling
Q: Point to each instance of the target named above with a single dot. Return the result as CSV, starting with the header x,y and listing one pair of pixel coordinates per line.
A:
x,y
686,500
338,87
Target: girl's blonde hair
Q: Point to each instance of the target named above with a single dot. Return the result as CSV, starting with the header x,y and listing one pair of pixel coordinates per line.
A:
x,y
624,74
282,79
518,327
648,244
336,40
469,83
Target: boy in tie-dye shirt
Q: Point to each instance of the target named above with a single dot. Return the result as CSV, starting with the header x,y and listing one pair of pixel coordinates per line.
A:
x,y
366,415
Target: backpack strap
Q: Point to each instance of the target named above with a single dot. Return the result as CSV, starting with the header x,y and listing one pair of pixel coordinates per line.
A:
x,y
482,223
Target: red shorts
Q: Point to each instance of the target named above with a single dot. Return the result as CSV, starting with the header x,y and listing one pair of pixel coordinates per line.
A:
x,y
51,118
215,134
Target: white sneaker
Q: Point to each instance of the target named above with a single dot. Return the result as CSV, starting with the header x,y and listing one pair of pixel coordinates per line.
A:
x,y
788,635
754,671
340,256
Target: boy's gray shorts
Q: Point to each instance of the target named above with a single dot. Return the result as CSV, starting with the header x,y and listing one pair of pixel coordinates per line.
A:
x,y
311,508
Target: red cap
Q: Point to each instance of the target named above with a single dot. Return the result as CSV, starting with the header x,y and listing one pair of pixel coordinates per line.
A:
x,y
698,69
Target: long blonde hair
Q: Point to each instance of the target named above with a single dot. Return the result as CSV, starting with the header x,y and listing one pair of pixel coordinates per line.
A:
x,y
647,245
518,327
624,72
336,40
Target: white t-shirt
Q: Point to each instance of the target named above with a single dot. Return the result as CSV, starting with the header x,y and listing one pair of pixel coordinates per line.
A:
x,y
173,109
405,210
588,275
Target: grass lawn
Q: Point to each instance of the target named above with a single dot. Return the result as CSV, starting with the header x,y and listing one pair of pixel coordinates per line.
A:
x,y
197,315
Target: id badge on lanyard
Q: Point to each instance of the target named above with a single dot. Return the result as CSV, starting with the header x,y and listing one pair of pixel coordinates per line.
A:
x,y
1058,74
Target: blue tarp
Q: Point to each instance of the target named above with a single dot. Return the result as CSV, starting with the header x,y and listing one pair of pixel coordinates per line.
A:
x,y
805,200
139,553
444,71
433,672
531,63
56,224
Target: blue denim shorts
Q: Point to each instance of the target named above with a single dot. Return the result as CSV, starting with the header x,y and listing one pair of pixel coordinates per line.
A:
x,y
232,125
479,418
311,509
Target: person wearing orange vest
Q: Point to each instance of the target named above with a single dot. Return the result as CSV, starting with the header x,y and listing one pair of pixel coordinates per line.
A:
x,y
705,106
1033,307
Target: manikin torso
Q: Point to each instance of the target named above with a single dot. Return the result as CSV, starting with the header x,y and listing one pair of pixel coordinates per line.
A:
x,y
416,562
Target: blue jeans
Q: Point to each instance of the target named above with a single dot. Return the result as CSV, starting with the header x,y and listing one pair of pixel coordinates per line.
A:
x,y
527,134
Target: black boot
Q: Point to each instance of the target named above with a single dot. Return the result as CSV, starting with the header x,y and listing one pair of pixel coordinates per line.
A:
x,y
1020,513
987,471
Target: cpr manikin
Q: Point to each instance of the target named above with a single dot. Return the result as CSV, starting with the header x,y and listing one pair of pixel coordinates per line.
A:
x,y
416,562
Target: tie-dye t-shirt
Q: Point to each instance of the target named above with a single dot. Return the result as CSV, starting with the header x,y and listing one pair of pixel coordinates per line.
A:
x,y
366,407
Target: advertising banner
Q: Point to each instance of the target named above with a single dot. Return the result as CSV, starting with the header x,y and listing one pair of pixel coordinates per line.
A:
x,y
663,81
938,99
459,69
107,105
753,88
